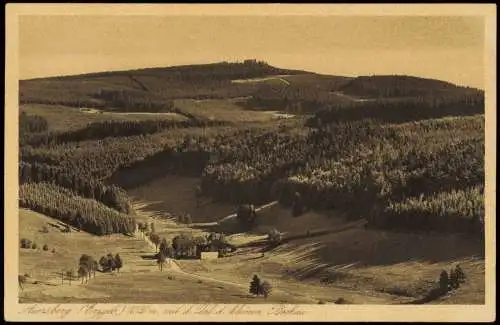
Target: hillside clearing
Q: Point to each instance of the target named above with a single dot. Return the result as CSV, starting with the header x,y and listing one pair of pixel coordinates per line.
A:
x,y
64,118
257,80
226,110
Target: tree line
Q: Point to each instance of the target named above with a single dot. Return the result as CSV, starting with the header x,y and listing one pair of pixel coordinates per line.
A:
x,y
399,86
402,110
110,128
111,196
134,101
86,214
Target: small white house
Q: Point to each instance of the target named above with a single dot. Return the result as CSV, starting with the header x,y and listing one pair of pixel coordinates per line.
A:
x,y
209,255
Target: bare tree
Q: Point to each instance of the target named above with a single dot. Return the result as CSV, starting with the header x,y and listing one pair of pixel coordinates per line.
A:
x,y
161,261
94,266
83,273
70,274
155,239
265,289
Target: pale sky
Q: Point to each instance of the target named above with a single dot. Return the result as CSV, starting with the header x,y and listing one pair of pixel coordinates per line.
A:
x,y
446,48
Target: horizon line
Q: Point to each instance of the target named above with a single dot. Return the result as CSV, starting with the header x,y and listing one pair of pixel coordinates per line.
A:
x,y
82,74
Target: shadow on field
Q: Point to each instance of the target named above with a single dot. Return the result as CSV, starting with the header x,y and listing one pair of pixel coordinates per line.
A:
x,y
149,257
245,296
176,194
360,247
231,227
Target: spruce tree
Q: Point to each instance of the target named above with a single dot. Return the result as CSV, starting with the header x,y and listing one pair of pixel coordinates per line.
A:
x,y
255,285
118,262
444,281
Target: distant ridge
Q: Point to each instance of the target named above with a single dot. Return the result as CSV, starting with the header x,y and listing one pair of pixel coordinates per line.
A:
x,y
263,67
398,86
154,89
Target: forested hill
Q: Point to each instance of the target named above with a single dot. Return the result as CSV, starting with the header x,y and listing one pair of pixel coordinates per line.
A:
x,y
156,85
400,86
219,70
263,86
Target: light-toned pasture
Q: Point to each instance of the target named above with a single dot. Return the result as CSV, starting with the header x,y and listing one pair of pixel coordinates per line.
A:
x,y
226,110
63,118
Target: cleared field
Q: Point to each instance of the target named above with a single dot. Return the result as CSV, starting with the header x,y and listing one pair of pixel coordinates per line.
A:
x,y
139,281
63,118
156,287
282,219
176,195
226,110
278,78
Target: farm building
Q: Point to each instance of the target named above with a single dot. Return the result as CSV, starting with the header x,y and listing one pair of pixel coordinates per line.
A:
x,y
209,255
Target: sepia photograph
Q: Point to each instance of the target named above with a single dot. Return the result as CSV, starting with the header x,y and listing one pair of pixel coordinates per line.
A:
x,y
250,161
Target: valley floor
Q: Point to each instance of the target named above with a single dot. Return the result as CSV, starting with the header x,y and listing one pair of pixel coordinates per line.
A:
x,y
360,265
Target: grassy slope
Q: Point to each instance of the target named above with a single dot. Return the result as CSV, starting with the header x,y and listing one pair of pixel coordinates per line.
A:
x,y
360,262
139,281
175,195
63,118
222,110
365,266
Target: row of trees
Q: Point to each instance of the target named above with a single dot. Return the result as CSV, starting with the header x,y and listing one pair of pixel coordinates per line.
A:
x,y
110,128
128,100
85,214
88,266
28,244
109,263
